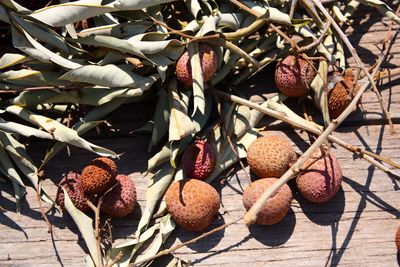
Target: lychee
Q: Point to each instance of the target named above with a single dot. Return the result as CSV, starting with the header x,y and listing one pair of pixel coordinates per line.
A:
x,y
192,203
121,200
198,160
72,184
397,239
209,65
277,206
293,76
270,156
99,175
339,97
322,180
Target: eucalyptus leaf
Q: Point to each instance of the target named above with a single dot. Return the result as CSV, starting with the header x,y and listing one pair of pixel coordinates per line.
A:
x,y
84,223
180,124
197,77
9,60
63,14
319,87
383,8
8,170
59,131
122,30
161,119
108,75
25,165
87,123
16,128
156,188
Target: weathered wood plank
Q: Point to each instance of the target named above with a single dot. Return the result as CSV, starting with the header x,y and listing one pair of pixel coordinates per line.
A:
x,y
360,221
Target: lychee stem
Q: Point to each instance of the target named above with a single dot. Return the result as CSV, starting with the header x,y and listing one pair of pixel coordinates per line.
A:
x,y
367,155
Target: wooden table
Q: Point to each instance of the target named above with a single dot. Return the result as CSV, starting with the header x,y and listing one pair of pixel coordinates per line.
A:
x,y
357,228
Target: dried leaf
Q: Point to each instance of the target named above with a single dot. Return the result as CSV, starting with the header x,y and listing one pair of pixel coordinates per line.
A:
x,y
84,223
108,76
318,85
197,77
59,131
180,124
9,60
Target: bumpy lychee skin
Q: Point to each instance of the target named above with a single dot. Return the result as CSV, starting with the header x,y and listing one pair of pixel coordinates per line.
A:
x,y
270,156
99,175
397,239
73,185
277,206
192,204
293,76
322,180
121,200
209,65
198,160
339,97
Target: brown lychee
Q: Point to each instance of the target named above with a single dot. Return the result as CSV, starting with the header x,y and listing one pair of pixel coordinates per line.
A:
x,y
397,239
192,203
209,65
339,97
121,200
293,76
277,206
321,181
198,160
72,184
99,175
270,156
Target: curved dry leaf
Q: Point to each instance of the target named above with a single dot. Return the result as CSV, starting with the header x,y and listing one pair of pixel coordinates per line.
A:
x,y
63,14
16,128
197,77
180,124
161,119
122,30
156,188
382,8
121,5
59,131
10,59
318,86
108,76
84,223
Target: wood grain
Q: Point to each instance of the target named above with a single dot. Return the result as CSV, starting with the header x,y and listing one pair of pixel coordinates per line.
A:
x,y
356,228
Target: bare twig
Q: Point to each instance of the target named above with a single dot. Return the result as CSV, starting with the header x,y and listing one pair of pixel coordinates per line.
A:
x,y
358,61
251,216
194,240
43,213
317,41
362,153
116,259
97,231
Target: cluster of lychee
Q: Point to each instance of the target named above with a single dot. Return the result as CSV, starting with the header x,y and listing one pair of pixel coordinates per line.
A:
x,y
293,77
99,179
269,157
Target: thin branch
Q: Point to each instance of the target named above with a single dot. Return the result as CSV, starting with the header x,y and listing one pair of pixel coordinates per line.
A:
x,y
116,259
358,61
194,240
251,216
49,225
317,41
362,153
